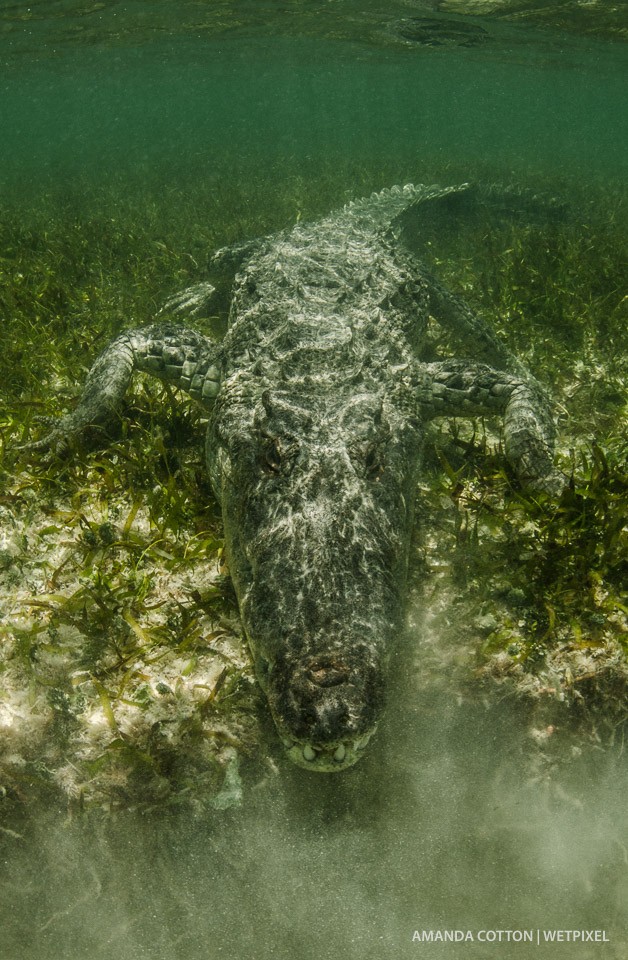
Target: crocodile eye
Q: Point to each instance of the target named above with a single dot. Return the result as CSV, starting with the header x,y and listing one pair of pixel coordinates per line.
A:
x,y
373,463
262,667
272,455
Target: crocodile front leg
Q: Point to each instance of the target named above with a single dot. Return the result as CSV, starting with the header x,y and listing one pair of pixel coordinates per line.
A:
x,y
177,355
459,389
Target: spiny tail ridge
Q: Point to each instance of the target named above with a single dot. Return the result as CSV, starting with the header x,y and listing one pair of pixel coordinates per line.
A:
x,y
381,209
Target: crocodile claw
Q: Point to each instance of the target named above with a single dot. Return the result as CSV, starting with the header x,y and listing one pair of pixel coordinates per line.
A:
x,y
193,301
56,442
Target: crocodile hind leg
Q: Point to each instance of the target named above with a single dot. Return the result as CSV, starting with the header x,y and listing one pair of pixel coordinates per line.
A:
x,y
469,329
201,299
194,301
458,389
177,355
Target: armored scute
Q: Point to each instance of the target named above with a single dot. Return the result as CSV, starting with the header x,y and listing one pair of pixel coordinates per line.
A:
x,y
317,405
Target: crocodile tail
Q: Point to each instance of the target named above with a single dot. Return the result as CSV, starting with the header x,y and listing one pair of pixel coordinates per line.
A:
x,y
380,210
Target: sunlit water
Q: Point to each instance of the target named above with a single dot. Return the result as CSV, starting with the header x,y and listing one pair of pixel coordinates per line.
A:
x,y
445,825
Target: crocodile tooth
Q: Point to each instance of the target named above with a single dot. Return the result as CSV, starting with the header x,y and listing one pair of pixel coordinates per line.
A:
x,y
339,752
308,753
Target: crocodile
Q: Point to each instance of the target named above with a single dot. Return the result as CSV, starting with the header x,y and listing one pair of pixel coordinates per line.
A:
x,y
317,404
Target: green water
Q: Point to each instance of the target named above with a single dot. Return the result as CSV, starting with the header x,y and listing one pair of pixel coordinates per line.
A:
x,y
196,107
447,824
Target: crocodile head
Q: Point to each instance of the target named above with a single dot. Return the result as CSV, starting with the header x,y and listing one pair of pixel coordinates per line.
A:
x,y
316,492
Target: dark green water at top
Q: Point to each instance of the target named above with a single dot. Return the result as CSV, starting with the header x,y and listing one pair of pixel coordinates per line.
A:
x,y
193,105
440,829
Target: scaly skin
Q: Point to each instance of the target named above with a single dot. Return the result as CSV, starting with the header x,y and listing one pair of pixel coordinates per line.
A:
x,y
317,406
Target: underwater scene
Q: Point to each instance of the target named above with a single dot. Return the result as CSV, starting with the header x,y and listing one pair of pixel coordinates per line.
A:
x,y
348,678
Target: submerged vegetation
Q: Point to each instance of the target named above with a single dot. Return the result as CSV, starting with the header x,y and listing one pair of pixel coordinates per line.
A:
x,y
124,679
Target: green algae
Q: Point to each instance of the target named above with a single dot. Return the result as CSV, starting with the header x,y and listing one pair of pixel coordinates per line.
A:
x,y
119,628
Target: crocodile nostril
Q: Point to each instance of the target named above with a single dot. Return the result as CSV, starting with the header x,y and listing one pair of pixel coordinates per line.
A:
x,y
330,675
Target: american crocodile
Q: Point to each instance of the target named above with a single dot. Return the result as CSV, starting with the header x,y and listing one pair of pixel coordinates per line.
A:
x,y
317,407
